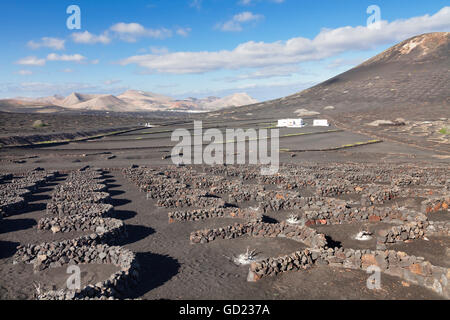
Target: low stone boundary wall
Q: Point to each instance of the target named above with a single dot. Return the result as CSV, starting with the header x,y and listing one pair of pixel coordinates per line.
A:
x,y
336,188
399,264
302,234
401,233
285,201
273,266
73,215
144,177
77,251
435,204
192,201
15,194
83,223
377,195
406,181
203,214
77,208
239,193
11,205
83,196
438,228
5,176
78,188
342,213
165,190
118,285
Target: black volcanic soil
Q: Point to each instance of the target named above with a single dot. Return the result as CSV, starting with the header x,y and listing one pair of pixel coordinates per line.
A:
x,y
19,281
19,129
344,234
433,250
22,123
179,270
175,269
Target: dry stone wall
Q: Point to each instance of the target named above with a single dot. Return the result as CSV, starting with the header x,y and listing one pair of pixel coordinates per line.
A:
x,y
317,194
96,248
15,192
302,234
411,268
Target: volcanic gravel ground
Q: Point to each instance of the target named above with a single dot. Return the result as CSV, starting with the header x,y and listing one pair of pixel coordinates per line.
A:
x,y
172,268
175,269
19,281
436,250
22,227
439,216
341,284
344,234
142,148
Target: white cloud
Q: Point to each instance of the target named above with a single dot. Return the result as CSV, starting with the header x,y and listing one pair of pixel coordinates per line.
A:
x,y
65,57
196,4
328,43
88,38
184,32
159,50
45,88
24,72
265,73
130,32
68,70
262,92
53,43
111,82
31,61
130,28
34,61
235,24
249,2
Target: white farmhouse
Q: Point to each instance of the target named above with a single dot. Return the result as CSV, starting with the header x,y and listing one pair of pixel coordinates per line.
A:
x,y
291,123
321,123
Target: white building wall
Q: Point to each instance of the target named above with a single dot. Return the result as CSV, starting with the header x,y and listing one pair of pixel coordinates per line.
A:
x,y
321,123
291,123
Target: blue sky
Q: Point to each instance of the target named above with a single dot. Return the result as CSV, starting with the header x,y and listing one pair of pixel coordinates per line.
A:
x,y
181,48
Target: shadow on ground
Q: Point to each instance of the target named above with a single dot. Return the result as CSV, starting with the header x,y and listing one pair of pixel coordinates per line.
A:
x,y
155,270
11,225
31,207
333,243
124,214
119,202
136,233
8,249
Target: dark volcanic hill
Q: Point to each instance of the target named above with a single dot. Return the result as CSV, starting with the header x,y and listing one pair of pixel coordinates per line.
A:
x,y
413,74
410,80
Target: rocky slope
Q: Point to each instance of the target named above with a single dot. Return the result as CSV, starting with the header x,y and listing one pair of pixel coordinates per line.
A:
x,y
410,79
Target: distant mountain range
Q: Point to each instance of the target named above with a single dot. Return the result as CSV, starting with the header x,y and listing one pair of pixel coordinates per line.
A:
x,y
129,101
